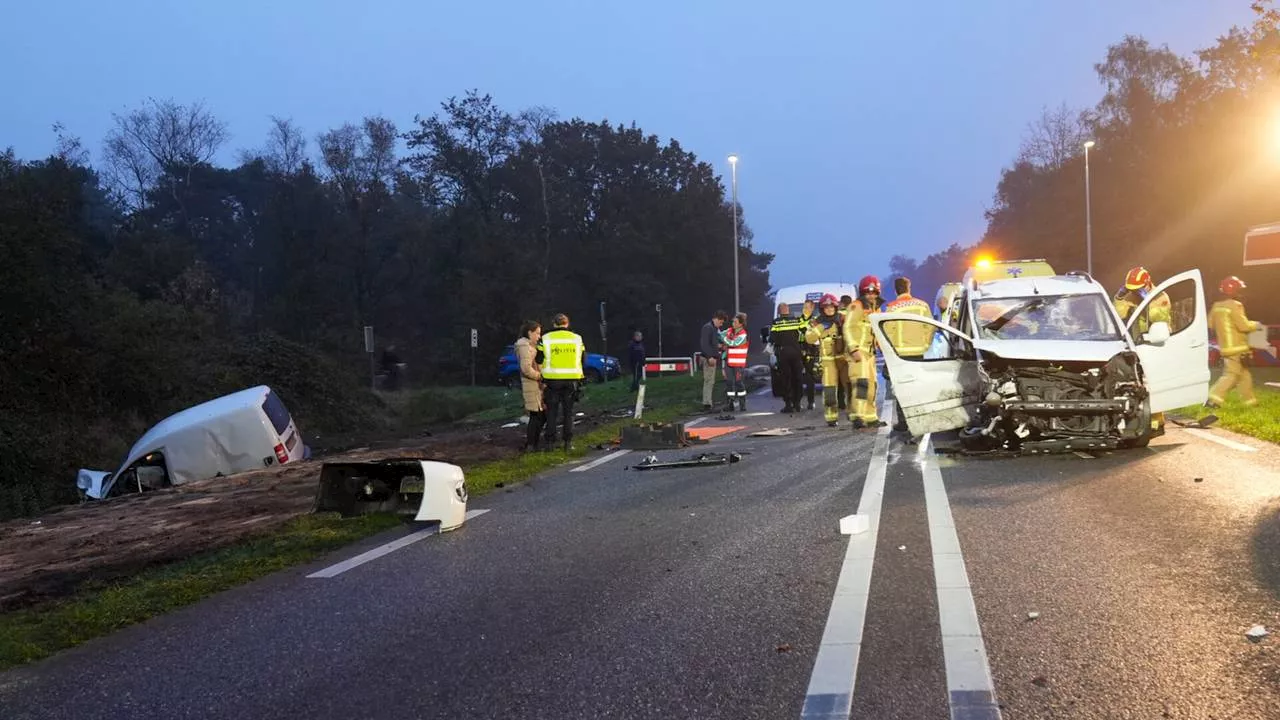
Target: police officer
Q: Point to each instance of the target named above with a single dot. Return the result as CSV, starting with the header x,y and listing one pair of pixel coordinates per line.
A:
x,y
810,354
785,334
563,352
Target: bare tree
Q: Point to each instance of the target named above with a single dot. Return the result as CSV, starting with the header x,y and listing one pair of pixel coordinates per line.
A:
x,y
532,122
358,158
160,137
286,149
69,148
1053,139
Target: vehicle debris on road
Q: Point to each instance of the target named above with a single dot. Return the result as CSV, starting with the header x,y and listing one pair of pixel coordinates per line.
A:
x,y
1033,615
651,462
854,524
1256,633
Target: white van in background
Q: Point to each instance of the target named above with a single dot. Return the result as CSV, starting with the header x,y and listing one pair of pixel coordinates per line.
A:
x,y
242,431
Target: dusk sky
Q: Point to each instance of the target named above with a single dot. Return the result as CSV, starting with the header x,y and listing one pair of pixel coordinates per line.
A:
x,y
865,128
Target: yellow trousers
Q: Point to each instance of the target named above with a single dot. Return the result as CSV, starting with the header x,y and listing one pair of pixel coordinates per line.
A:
x,y
831,377
1234,374
863,373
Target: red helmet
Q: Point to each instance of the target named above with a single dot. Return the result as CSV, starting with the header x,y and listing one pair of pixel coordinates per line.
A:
x,y
1138,278
1231,286
828,299
870,283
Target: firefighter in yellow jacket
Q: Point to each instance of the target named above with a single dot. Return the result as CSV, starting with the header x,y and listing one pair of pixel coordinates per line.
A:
x,y
860,344
910,339
1137,286
1232,327
826,332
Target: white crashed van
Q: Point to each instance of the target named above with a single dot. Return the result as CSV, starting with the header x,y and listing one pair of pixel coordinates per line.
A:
x,y
242,431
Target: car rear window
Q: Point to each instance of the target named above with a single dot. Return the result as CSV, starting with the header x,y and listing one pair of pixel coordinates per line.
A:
x,y
277,412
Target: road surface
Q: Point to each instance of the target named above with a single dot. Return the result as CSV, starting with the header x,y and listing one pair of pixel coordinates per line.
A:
x,y
599,591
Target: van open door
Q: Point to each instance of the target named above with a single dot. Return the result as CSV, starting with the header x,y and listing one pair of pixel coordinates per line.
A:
x,y
936,393
1170,331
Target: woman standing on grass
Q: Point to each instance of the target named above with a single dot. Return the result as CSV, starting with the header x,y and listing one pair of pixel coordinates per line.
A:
x,y
735,361
531,382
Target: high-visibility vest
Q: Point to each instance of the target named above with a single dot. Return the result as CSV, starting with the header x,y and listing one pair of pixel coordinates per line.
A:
x,y
562,355
909,339
1232,327
735,354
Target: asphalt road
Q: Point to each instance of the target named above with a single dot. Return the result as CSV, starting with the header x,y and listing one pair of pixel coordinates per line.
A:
x,y
729,592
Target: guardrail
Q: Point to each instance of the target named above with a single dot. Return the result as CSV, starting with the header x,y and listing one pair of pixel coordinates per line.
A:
x,y
658,366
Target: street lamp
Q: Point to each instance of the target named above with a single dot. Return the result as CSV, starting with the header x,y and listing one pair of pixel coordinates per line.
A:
x,y
1088,214
733,164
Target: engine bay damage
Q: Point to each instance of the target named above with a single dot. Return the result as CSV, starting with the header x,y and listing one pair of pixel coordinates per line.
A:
x,y
1040,407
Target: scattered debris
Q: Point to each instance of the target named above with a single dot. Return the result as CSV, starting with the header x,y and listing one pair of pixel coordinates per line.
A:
x,y
1256,633
1199,479
784,647
854,524
1040,681
902,547
772,432
511,425
651,462
1033,615
1202,423
725,416
1085,455
579,414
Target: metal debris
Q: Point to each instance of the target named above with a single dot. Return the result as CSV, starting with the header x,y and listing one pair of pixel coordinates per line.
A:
x,y
772,432
651,462
1256,633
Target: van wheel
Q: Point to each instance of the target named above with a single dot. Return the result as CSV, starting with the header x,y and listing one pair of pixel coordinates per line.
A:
x,y
1144,438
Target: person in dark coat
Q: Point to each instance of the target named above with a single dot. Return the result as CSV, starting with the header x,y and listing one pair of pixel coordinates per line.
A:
x,y
636,357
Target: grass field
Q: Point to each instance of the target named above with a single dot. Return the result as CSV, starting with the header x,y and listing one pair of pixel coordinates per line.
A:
x,y
30,635
1261,421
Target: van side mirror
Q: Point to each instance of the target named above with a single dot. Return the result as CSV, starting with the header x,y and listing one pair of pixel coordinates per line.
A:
x,y
1158,334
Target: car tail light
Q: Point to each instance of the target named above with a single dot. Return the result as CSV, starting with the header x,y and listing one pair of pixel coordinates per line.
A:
x,y
281,454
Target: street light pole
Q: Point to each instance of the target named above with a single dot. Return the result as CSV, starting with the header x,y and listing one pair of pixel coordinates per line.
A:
x,y
733,163
1088,213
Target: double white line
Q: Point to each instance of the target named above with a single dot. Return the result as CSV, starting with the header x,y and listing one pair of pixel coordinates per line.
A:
x,y
970,690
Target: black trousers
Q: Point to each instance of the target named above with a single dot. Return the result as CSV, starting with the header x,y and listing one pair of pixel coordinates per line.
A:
x,y
537,421
807,379
790,374
559,398
636,369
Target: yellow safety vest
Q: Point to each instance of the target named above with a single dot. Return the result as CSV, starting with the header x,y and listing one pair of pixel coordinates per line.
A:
x,y
562,355
909,339
1232,327
1160,310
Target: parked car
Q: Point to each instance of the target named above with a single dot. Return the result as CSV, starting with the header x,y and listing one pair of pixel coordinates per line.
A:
x,y
1045,364
1262,357
242,431
596,367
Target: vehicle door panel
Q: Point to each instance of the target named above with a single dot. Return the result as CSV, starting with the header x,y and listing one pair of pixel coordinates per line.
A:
x,y
936,395
1176,372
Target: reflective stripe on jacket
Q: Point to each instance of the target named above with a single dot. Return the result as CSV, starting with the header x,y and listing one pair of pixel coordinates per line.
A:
x,y
736,343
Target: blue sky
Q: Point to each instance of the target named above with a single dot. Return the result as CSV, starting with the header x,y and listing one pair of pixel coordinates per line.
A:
x,y
866,128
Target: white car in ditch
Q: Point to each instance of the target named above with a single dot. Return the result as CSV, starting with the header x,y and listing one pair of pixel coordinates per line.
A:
x,y
1045,364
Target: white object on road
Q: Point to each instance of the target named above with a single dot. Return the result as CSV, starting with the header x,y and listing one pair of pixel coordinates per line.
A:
x,y
1273,385
1205,435
854,524
1257,632
511,425
902,547
1033,615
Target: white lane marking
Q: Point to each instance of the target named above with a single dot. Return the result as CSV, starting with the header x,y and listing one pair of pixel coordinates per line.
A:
x,y
600,460
374,554
696,421
764,390
756,414
970,689
1205,435
830,693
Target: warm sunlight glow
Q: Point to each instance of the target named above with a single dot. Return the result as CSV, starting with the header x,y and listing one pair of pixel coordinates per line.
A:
x,y
984,263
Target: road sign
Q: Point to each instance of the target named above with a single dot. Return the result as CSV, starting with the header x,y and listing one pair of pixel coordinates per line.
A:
x,y
475,338
1262,245
368,338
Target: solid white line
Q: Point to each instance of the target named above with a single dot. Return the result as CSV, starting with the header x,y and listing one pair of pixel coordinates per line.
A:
x,y
696,421
1205,435
764,390
970,689
374,554
830,693
600,460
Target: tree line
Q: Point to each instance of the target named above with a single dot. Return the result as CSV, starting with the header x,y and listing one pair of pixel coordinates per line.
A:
x,y
1186,159
155,278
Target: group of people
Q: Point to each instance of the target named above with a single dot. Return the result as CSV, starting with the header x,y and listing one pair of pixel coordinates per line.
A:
x,y
836,343
727,348
551,377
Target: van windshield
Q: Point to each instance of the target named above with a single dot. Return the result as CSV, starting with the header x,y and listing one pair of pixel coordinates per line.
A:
x,y
277,412
1046,317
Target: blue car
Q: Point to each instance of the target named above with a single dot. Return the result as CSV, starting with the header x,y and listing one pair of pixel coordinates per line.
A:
x,y
596,367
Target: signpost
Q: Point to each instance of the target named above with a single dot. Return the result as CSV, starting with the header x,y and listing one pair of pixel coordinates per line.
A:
x,y
373,365
658,307
475,342
604,329
1262,245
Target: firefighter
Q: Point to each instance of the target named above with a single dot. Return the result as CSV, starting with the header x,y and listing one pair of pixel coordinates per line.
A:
x,y
810,354
843,373
1232,327
562,354
910,340
826,333
860,344
786,334
872,303
1137,286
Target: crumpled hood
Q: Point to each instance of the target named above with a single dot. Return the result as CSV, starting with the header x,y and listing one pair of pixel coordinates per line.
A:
x,y
1099,351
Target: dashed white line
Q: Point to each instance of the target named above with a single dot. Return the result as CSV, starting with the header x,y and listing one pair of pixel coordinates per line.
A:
x,y
601,460
764,390
696,421
374,554
1220,440
970,689
830,693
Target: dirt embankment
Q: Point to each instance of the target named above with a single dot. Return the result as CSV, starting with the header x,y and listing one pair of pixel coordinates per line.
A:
x,y
51,556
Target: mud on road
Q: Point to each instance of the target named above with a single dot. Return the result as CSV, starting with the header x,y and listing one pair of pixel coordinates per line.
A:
x,y
49,557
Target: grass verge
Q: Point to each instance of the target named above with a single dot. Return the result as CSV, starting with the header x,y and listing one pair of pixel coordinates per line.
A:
x,y
36,633
1261,421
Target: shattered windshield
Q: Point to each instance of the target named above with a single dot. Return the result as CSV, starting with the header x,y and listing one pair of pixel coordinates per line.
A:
x,y
1046,317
